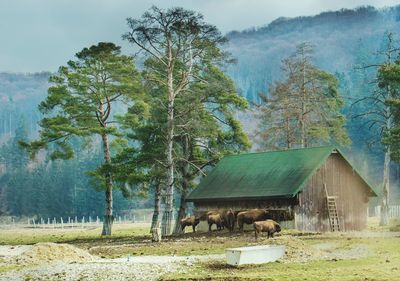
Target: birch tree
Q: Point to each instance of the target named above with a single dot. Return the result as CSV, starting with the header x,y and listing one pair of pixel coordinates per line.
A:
x,y
180,41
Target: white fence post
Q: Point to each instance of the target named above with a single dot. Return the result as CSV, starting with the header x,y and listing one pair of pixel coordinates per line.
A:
x,y
394,211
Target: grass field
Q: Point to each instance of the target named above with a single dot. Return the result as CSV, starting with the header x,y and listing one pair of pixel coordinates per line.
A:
x,y
373,255
28,236
382,262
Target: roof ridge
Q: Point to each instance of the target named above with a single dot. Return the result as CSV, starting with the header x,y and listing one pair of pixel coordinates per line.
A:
x,y
280,150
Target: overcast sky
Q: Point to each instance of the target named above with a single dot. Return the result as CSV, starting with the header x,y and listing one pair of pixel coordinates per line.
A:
x,y
41,35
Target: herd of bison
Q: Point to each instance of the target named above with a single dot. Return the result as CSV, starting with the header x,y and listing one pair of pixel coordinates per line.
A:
x,y
229,219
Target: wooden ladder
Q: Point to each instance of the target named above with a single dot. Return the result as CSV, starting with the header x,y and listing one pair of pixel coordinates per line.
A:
x,y
332,211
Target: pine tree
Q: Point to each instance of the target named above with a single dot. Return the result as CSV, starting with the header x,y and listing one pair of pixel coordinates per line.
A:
x,y
304,109
80,105
207,129
178,42
379,111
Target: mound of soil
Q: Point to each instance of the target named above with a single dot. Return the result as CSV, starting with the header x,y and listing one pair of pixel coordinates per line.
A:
x,y
48,252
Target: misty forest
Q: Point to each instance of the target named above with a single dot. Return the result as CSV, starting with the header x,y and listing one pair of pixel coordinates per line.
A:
x,y
110,133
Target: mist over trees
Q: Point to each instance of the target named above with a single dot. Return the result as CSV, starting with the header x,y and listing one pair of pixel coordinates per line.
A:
x,y
303,110
343,42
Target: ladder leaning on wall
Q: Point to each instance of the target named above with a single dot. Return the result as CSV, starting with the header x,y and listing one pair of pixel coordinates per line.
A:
x,y
332,211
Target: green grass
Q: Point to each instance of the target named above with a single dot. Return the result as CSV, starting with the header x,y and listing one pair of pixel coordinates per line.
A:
x,y
394,225
382,263
28,236
5,268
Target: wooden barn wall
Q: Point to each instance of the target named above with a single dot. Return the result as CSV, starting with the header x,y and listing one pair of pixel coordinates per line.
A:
x,y
311,214
279,204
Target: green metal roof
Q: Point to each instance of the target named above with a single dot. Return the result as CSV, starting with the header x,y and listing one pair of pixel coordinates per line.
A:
x,y
260,175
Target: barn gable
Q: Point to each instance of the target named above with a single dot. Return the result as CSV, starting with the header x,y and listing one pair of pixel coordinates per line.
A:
x,y
264,175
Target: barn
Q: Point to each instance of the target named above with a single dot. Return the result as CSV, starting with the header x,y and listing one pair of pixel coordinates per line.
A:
x,y
317,189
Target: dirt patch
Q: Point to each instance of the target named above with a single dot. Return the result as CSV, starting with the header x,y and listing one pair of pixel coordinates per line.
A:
x,y
92,271
49,252
10,251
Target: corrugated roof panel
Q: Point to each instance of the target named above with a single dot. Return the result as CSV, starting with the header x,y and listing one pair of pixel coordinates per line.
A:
x,y
258,175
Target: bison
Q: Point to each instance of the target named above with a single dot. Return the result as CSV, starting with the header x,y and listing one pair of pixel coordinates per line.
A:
x,y
229,219
250,216
215,218
268,226
190,221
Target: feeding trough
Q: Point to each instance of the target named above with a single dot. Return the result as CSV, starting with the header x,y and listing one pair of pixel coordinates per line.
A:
x,y
254,254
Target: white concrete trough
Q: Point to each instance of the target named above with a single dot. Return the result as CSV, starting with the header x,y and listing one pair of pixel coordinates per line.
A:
x,y
254,254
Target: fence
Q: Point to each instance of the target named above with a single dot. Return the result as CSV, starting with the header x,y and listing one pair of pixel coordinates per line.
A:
x,y
394,211
71,222
134,216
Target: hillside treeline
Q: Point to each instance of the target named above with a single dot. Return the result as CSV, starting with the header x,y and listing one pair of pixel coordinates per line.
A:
x,y
102,133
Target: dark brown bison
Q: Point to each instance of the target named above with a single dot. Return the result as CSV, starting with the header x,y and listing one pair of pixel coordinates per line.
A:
x,y
190,221
229,219
250,216
214,217
268,226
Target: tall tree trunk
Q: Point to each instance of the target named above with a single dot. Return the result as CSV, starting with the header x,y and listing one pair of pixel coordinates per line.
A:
x,y
288,136
182,207
303,102
186,177
384,219
108,216
157,207
169,193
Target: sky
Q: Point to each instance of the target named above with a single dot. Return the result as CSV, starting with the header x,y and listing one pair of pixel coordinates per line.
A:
x,y
41,35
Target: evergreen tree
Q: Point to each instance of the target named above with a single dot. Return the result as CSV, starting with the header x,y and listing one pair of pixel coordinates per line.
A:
x,y
304,109
379,113
388,94
178,42
207,129
79,104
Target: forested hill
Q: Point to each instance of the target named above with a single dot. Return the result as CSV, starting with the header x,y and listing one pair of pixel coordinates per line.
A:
x,y
340,39
20,95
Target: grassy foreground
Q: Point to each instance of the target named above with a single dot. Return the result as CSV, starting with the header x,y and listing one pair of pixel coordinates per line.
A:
x,y
382,262
379,260
28,236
